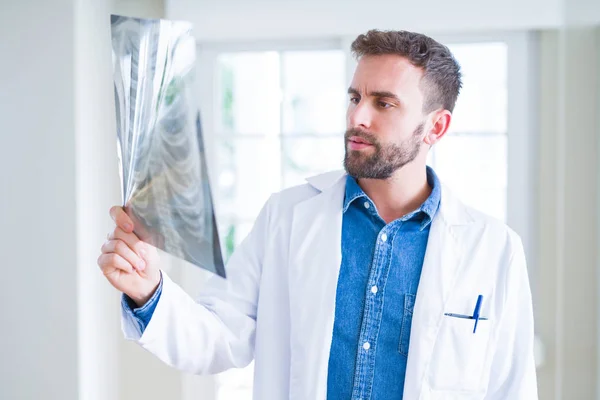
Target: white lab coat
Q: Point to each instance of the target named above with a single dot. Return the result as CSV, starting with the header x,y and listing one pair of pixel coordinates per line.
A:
x,y
277,305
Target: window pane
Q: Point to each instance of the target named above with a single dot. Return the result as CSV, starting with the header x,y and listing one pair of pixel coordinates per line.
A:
x,y
249,94
474,167
482,103
307,156
249,172
314,87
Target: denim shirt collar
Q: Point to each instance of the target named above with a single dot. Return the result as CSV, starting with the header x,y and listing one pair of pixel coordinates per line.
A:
x,y
428,209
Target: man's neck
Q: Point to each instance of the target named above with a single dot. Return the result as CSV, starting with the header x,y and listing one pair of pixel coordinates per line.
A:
x,y
399,195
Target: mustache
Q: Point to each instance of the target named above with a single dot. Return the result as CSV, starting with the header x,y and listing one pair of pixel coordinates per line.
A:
x,y
368,136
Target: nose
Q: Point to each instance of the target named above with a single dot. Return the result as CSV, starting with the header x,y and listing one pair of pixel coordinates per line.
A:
x,y
359,116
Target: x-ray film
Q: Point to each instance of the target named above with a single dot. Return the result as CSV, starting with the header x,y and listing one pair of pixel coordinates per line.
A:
x,y
165,184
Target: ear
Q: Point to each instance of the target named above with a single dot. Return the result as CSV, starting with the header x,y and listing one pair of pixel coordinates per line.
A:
x,y
440,122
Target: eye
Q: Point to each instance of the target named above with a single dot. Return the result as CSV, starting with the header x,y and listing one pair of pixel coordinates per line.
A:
x,y
383,104
354,100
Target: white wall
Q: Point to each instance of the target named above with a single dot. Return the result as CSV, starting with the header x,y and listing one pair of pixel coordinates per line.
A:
x,y
38,294
227,20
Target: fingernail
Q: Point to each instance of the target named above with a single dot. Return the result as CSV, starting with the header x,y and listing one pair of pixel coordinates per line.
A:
x,y
127,227
141,265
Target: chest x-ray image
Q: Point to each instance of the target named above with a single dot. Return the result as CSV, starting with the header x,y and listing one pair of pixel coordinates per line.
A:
x,y
162,163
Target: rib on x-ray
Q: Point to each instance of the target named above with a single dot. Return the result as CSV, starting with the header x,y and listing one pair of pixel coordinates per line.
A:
x,y
165,184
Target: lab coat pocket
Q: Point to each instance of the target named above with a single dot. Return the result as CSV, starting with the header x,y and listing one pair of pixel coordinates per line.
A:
x,y
409,305
459,355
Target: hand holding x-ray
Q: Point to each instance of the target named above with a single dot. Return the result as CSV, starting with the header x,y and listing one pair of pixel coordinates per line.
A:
x,y
165,184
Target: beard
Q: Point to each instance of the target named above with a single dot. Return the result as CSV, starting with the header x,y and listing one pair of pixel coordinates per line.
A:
x,y
387,158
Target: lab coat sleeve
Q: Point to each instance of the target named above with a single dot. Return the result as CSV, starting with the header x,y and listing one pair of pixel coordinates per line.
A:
x,y
216,331
513,374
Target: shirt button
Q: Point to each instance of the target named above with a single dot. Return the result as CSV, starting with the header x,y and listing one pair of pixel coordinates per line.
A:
x,y
383,237
366,345
373,289
367,205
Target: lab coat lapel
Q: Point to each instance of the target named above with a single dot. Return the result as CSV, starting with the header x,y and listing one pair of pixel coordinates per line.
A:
x,y
443,260
315,258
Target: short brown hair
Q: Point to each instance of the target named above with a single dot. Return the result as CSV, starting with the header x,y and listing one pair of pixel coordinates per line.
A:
x,y
442,76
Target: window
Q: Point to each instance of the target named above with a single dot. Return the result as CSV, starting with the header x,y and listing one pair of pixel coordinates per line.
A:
x,y
472,158
281,117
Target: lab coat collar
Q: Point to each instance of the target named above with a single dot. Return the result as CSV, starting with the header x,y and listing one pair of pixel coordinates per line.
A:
x,y
452,211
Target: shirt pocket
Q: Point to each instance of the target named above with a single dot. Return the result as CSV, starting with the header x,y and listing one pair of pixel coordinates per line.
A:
x,y
409,306
459,355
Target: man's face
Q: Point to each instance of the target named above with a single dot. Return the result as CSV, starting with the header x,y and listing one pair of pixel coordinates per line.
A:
x,y
384,120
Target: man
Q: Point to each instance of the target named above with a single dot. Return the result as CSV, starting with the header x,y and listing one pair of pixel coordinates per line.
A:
x,y
375,284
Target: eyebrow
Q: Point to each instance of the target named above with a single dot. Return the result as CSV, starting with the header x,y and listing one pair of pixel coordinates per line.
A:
x,y
377,93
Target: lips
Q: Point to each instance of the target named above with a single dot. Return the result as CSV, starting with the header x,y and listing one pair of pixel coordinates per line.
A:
x,y
357,139
358,143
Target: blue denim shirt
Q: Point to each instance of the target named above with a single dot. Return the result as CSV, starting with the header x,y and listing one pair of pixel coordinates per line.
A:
x,y
378,280
142,315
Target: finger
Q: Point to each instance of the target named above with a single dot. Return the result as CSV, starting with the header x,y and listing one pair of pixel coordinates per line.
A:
x,y
121,248
109,261
121,218
130,240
